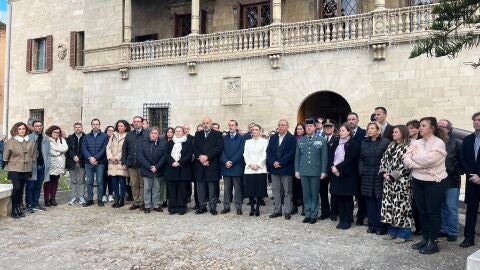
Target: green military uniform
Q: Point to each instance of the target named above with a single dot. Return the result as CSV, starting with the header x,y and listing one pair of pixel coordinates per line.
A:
x,y
311,160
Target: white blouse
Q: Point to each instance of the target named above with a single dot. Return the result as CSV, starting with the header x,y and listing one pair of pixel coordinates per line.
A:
x,y
256,153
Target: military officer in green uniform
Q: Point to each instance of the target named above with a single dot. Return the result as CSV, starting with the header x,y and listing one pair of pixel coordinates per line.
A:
x,y
311,159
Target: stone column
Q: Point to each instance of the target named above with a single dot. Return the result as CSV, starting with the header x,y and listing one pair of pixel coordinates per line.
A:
x,y
195,16
277,11
379,4
127,21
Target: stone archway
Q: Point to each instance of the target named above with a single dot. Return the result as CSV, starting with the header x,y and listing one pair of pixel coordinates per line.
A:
x,y
326,104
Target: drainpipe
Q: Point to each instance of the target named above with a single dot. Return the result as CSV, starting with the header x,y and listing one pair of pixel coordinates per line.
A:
x,y
6,89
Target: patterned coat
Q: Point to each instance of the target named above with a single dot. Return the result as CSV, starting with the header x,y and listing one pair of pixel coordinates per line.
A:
x,y
397,192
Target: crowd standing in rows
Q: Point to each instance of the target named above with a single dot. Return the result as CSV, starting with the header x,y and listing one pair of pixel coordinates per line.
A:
x,y
401,177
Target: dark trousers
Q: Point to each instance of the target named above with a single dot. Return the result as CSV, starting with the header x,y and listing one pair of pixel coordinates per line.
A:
x,y
362,208
118,186
17,192
34,188
207,193
416,216
177,191
188,190
374,207
50,188
195,193
107,184
429,197
473,199
297,196
345,208
324,202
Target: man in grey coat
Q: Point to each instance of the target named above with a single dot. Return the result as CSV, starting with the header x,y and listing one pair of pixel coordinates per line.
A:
x,y
311,157
40,168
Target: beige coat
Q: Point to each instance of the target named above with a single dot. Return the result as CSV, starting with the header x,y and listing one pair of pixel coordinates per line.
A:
x,y
114,151
19,155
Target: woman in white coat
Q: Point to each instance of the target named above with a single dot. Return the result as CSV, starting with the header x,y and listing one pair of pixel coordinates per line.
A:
x,y
58,148
255,155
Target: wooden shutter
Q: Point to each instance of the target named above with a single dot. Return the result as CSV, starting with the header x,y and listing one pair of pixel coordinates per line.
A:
x,y
73,49
203,22
49,52
29,55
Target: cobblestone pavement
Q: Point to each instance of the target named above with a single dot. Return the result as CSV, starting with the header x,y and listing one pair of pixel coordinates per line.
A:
x,y
73,237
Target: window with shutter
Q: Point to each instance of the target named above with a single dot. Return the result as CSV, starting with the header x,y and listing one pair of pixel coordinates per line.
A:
x,y
29,55
49,52
73,49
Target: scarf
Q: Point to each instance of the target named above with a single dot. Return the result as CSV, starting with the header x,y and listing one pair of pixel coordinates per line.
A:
x,y
177,147
340,151
20,139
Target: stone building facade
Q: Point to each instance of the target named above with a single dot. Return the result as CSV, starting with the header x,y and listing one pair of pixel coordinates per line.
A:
x,y
112,59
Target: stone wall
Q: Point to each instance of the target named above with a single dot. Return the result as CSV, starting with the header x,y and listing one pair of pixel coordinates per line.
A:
x,y
407,88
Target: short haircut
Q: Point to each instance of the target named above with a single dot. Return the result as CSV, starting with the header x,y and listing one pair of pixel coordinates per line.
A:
x,y
155,129
415,123
236,123
36,121
77,124
381,108
283,120
347,127
215,124
352,113
141,118
95,119
145,120
14,130
475,115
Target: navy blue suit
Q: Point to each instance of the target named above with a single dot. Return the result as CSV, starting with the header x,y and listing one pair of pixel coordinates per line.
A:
x,y
233,151
472,193
284,154
359,135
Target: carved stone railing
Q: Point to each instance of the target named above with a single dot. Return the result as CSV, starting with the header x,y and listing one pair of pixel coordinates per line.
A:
x,y
375,29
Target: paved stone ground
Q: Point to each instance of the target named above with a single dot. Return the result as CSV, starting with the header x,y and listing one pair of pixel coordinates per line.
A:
x,y
73,237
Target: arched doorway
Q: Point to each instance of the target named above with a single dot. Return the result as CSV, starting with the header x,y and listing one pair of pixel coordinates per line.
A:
x,y
326,104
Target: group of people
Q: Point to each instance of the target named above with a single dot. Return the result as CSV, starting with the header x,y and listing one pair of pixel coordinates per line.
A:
x,y
402,177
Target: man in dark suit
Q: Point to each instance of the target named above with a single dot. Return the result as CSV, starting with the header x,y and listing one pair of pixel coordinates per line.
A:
x,y
207,148
281,162
470,159
319,127
381,119
328,209
358,135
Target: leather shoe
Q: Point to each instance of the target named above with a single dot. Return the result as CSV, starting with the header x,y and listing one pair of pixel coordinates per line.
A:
x,y
346,226
201,211
88,203
275,215
133,207
195,207
239,212
333,218
306,220
313,221
420,244
323,217
383,232
213,212
467,243
158,209
224,211
288,216
430,248
451,238
371,230
146,210
100,204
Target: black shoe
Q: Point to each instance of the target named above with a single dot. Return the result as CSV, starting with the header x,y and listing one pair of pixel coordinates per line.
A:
x,y
164,204
288,216
224,211
420,244
381,232
213,212
430,248
120,203
303,212
359,222
252,212
418,232
442,234
195,207
158,209
201,211
47,203
257,212
467,243
333,218
218,201
239,212
262,202
346,226
114,204
322,217
339,225
294,210
100,204
275,215
313,221
181,212
371,230
146,210
88,203
15,214
29,210
452,238
20,212
53,202
249,203
306,220
133,207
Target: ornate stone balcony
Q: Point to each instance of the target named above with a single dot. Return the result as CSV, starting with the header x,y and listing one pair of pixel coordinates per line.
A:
x,y
374,29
